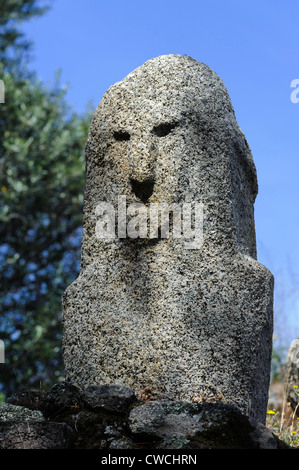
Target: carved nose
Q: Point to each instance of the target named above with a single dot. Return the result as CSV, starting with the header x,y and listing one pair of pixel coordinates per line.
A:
x,y
143,189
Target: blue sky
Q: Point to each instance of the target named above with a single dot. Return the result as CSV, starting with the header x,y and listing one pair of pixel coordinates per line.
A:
x,y
252,45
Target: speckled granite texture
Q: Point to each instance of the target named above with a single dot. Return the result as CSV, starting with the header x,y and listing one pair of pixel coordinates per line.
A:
x,y
191,324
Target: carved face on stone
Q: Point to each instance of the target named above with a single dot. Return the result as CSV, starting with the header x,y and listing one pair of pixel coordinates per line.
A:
x,y
167,133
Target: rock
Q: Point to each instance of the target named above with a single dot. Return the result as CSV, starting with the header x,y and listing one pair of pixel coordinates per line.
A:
x,y
95,414
61,400
159,419
111,398
35,435
292,376
29,399
135,425
263,437
184,313
102,419
170,425
9,412
276,396
89,428
124,443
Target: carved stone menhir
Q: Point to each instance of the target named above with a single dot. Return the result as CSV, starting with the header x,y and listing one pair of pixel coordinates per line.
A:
x,y
184,307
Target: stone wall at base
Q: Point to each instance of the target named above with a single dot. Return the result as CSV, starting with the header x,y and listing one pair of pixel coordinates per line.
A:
x,y
112,417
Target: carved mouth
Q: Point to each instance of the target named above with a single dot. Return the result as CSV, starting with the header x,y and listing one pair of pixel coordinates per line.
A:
x,y
143,189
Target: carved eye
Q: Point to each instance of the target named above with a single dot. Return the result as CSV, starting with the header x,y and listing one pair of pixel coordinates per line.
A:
x,y
121,136
164,129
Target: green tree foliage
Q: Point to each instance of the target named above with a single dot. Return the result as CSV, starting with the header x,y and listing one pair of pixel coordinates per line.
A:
x,y
13,44
41,189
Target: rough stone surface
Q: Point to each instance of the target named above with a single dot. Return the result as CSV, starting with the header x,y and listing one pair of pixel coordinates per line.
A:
x,y
151,312
29,399
9,412
263,438
292,376
140,425
113,398
24,428
174,425
35,435
60,400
